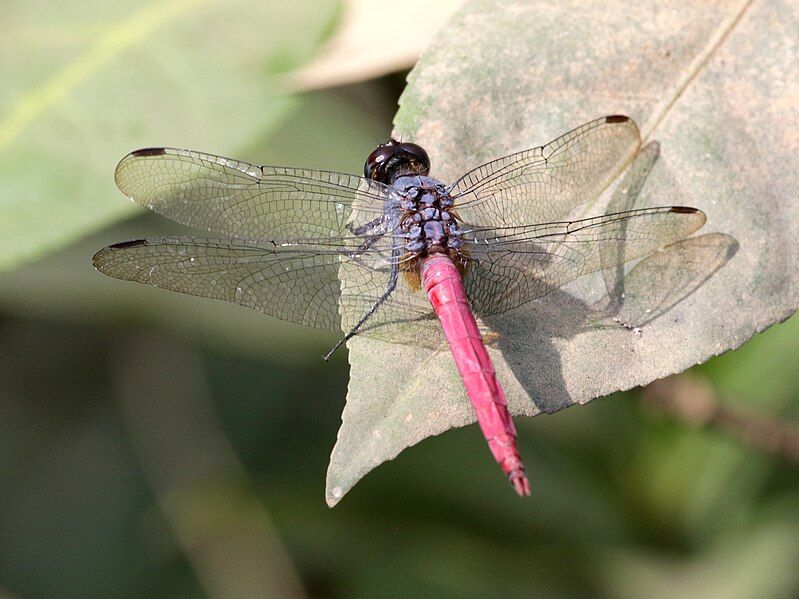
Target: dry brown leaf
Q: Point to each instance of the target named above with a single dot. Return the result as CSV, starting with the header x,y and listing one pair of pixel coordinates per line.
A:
x,y
375,38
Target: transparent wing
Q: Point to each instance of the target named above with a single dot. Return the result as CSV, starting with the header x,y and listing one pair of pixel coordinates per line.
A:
x,y
513,265
544,184
406,316
301,284
291,284
245,200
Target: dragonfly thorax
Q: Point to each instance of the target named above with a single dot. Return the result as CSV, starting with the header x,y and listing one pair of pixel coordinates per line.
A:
x,y
428,220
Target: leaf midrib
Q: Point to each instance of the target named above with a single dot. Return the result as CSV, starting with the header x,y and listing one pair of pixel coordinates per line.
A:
x,y
696,67
108,46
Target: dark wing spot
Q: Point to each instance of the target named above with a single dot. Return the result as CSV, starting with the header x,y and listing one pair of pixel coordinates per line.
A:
x,y
617,118
148,152
128,244
684,210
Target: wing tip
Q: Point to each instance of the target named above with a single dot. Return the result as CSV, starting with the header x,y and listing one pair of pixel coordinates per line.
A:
x,y
128,244
701,216
143,152
97,258
99,255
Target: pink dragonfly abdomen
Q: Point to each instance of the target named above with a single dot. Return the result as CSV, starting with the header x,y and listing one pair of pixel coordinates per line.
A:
x,y
442,282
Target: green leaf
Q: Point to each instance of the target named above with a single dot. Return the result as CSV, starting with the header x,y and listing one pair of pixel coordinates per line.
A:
x,y
715,85
82,86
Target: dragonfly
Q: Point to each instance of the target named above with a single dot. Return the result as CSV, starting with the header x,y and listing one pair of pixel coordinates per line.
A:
x,y
396,254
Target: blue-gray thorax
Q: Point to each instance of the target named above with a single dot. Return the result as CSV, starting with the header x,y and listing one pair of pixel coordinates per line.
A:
x,y
428,222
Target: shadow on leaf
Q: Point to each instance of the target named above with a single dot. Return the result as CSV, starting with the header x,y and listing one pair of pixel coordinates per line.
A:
x,y
634,299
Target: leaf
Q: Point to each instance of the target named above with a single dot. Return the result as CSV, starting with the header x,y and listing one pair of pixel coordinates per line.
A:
x,y
368,25
64,285
81,87
716,85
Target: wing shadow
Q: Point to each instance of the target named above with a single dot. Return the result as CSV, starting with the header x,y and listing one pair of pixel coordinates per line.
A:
x,y
633,299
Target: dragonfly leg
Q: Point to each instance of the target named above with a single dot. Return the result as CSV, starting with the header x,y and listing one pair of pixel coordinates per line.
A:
x,y
360,230
370,240
392,285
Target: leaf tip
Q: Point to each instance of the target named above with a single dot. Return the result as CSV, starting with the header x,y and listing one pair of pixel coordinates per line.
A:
x,y
334,496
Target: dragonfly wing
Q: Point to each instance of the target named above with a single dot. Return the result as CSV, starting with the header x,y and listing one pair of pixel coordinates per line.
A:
x,y
406,316
239,199
514,265
298,285
317,286
544,184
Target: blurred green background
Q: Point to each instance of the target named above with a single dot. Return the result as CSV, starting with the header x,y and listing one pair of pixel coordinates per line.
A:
x,y
154,445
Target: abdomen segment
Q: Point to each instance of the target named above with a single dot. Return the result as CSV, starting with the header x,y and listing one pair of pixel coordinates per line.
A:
x,y
442,282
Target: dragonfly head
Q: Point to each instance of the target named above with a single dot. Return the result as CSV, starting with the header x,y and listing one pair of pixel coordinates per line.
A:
x,y
396,159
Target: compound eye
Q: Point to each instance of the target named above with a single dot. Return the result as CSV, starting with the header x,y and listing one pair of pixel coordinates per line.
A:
x,y
418,152
378,157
